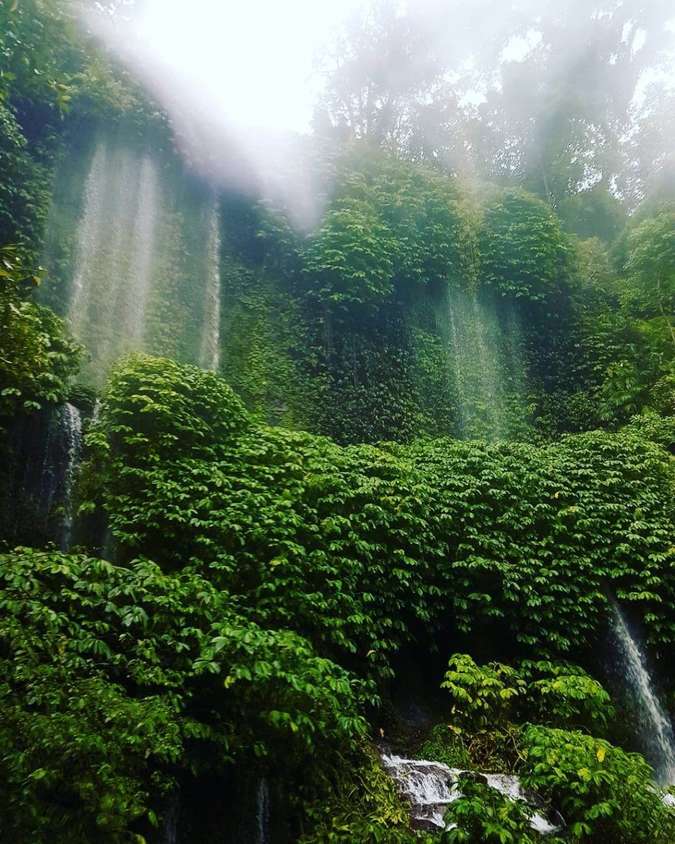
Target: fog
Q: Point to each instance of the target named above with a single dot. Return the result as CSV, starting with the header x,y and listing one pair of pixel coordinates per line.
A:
x,y
482,88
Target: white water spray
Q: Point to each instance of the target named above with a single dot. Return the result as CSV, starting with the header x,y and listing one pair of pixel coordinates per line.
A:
x,y
430,787
89,234
657,727
140,256
210,348
262,812
72,429
485,360
142,250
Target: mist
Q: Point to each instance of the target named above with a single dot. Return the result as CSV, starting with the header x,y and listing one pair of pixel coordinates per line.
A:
x,y
237,80
483,89
337,421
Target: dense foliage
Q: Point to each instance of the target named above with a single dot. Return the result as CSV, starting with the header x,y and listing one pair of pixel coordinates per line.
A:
x,y
475,378
389,228
489,696
417,308
604,792
353,548
522,248
357,544
116,680
37,357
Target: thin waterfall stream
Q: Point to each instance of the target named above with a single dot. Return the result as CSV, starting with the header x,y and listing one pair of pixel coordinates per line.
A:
x,y
49,450
485,360
89,233
72,428
262,812
137,257
657,727
210,345
142,250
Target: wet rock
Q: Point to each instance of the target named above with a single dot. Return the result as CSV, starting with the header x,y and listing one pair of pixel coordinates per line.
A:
x,y
430,787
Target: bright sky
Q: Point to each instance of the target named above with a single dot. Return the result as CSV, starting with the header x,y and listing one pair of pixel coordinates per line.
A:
x,y
251,59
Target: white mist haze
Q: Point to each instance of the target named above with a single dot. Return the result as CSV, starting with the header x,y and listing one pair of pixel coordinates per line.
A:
x,y
241,81
251,62
237,80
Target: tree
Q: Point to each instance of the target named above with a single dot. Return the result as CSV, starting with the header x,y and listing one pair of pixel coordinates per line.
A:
x,y
522,249
651,270
37,356
383,80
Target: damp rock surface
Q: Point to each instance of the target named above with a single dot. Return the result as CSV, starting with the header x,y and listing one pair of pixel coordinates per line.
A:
x,y
430,787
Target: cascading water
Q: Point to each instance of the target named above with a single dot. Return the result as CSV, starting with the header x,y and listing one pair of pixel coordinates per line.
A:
x,y
262,813
169,833
134,263
657,727
430,787
47,448
485,357
72,427
89,233
142,250
210,346
113,260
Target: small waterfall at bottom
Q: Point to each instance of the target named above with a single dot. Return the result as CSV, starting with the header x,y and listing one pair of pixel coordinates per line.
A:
x,y
46,451
169,833
430,787
657,728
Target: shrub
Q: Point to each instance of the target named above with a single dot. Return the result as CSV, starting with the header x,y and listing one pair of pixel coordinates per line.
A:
x,y
116,680
484,816
357,547
604,793
482,696
523,252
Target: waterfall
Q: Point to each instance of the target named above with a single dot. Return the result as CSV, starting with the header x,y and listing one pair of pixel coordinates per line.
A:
x,y
169,833
114,253
48,450
483,331
430,787
262,812
72,428
210,346
455,363
485,358
142,251
89,234
657,727
133,242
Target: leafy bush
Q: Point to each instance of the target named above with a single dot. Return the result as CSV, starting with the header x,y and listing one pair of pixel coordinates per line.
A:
x,y
604,793
535,535
37,357
24,193
655,428
390,227
487,697
116,680
444,744
651,269
482,696
352,255
482,814
523,252
355,547
364,806
564,695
